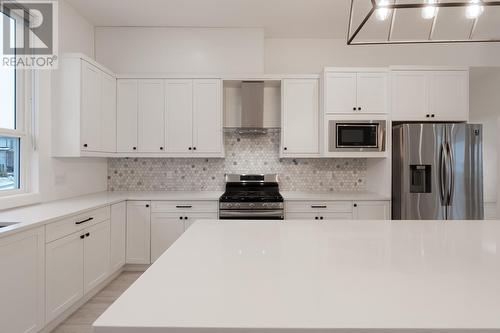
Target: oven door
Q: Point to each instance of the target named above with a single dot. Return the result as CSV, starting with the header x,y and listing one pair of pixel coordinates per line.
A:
x,y
356,136
251,214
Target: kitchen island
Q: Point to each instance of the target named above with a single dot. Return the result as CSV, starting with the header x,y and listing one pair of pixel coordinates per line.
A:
x,y
301,276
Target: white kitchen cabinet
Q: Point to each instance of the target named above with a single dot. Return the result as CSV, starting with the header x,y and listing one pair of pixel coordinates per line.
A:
x,y
340,92
151,116
166,228
179,115
118,235
96,255
108,113
91,108
207,117
84,113
430,95
449,95
127,115
409,95
138,232
300,118
64,274
372,210
357,91
22,282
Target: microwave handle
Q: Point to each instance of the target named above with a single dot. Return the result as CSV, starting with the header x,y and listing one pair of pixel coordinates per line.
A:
x,y
382,133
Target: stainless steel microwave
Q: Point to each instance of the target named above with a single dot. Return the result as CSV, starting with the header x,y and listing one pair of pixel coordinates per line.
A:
x,y
356,136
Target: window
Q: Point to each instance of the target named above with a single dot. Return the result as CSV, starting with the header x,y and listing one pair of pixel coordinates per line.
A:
x,y
15,142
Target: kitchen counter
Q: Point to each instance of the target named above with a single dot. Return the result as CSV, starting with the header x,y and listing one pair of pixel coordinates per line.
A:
x,y
40,214
334,196
347,276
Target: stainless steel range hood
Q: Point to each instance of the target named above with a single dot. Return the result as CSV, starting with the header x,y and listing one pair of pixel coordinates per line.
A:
x,y
252,108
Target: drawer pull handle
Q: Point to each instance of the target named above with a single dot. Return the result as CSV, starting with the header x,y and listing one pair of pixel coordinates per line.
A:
x,y
84,221
183,206
323,207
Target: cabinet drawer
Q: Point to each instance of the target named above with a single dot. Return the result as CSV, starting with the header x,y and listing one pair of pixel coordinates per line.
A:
x,y
76,223
319,216
319,206
184,206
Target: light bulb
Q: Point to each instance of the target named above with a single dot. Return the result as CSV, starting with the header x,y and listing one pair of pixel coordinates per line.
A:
x,y
474,10
429,11
383,13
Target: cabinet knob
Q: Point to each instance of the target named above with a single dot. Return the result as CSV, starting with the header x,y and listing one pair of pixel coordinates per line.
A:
x,y
82,236
161,148
87,234
147,206
321,217
134,148
427,115
354,109
190,148
194,148
359,109
285,148
85,145
355,205
180,218
433,115
316,218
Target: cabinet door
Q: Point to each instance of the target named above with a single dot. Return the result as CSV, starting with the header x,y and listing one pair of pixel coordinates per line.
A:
x,y
207,116
64,274
96,255
127,104
90,116
340,91
300,126
179,127
165,229
22,282
138,232
108,113
449,95
372,210
190,218
372,92
118,235
151,116
410,96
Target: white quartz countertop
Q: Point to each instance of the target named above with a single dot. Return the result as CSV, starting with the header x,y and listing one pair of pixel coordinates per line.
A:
x,y
334,196
344,276
37,215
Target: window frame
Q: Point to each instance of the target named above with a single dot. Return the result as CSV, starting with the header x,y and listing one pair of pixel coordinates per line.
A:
x,y
24,121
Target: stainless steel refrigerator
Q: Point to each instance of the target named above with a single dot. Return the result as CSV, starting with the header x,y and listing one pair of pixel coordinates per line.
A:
x,y
437,172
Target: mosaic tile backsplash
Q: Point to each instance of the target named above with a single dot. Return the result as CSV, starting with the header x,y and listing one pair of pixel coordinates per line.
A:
x,y
244,154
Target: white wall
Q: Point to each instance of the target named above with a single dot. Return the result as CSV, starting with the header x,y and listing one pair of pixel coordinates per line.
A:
x,y
485,109
62,178
312,55
132,50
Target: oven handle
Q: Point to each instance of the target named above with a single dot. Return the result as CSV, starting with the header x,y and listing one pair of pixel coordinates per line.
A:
x,y
250,213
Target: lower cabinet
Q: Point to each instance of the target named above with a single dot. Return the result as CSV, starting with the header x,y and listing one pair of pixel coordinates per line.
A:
x,y
372,210
118,235
75,264
166,228
338,210
22,262
138,232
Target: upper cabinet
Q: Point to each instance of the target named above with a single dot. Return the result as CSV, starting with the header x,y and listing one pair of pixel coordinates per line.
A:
x,y
430,95
356,91
170,118
84,117
300,118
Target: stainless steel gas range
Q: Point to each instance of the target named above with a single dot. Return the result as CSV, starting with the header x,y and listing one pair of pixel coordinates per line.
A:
x,y
251,197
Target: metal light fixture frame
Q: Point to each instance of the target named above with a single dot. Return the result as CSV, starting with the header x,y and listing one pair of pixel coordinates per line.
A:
x,y
394,7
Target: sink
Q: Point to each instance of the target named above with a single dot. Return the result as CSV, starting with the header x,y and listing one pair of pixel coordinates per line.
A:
x,y
7,224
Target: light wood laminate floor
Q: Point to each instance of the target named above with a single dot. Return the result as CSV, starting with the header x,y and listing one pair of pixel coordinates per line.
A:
x,y
81,321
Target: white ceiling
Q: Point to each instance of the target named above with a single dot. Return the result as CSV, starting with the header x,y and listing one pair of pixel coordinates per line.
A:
x,y
279,18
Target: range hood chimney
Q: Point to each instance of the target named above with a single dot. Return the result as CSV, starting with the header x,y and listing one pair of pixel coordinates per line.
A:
x,y
252,108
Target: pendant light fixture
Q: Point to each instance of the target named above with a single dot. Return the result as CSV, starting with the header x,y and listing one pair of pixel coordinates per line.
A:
x,y
430,10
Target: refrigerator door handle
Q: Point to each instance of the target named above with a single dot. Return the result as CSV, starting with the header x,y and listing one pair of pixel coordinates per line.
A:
x,y
451,174
443,172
